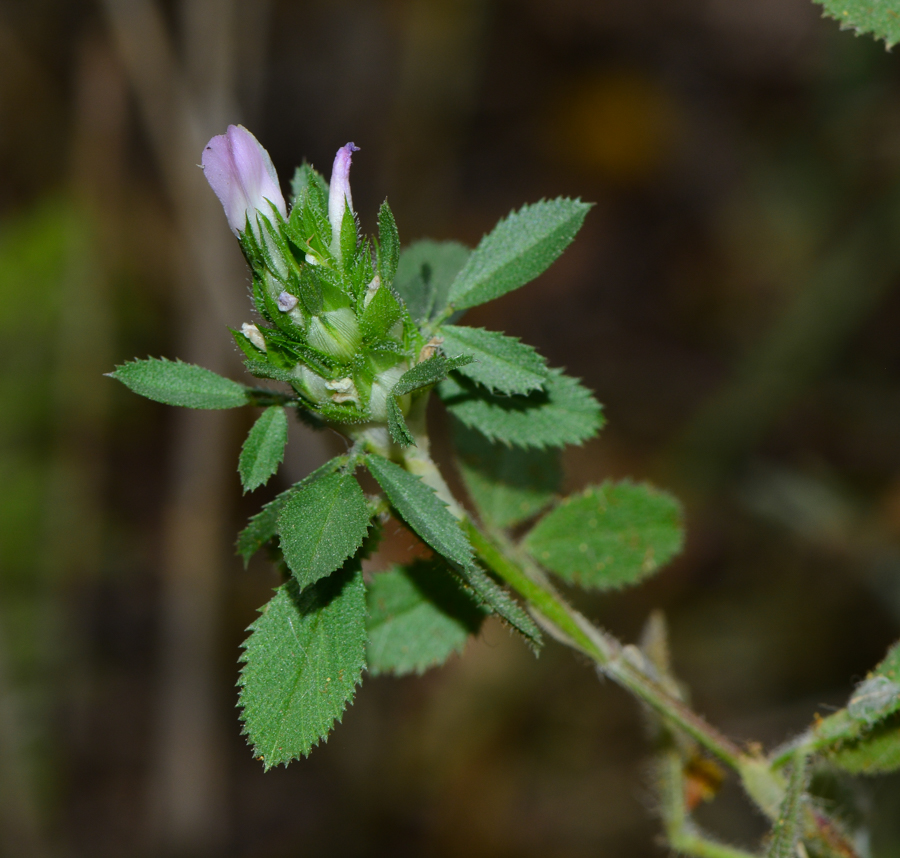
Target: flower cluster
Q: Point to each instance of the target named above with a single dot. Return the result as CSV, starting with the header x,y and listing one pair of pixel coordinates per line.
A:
x,y
333,328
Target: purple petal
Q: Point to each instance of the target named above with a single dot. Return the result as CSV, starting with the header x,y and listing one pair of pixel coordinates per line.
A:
x,y
340,188
242,176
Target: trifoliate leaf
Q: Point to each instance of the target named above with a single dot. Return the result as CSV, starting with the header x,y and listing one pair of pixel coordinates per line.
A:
x,y
881,18
177,383
501,363
507,484
428,372
490,594
322,524
424,274
563,413
610,536
400,433
418,617
425,513
388,244
519,248
263,451
302,663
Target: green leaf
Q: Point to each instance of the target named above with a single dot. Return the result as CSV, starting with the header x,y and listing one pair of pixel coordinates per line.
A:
x,y
501,363
881,18
427,515
388,244
302,663
507,484
519,248
865,737
263,451
421,509
177,383
610,536
429,372
263,526
418,617
322,524
424,274
489,593
400,433
349,238
876,751
304,176
563,413
380,314
789,824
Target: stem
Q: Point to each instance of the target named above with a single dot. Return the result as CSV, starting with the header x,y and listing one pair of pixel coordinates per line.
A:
x,y
625,665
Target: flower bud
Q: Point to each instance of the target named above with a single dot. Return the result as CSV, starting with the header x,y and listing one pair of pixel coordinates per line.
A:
x,y
243,177
339,196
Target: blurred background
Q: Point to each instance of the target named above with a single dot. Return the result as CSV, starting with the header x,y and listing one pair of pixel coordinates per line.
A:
x,y
732,299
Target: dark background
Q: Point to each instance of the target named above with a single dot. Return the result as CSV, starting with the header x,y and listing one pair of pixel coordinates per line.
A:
x,y
732,299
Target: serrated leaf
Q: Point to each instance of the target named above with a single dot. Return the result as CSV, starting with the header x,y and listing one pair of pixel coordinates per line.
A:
x,y
304,176
428,372
322,524
263,451
609,536
388,244
349,237
489,593
424,274
430,519
877,751
418,617
881,18
507,484
522,246
263,526
177,383
501,363
400,433
421,509
865,737
380,315
302,663
563,413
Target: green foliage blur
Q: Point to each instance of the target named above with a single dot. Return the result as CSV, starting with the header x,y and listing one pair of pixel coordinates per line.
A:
x,y
732,300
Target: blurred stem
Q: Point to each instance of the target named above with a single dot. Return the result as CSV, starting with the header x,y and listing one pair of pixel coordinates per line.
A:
x,y
681,834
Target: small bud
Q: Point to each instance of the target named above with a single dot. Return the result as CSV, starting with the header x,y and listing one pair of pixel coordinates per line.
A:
x,y
286,302
251,332
371,289
243,177
430,348
339,196
343,390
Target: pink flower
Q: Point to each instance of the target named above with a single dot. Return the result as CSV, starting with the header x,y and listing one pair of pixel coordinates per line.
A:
x,y
243,177
339,191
